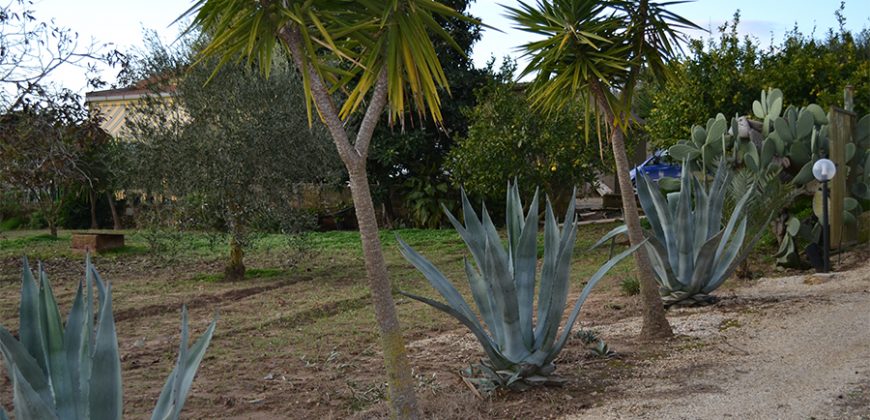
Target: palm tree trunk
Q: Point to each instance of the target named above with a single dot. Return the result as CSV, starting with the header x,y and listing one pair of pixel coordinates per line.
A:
x,y
402,396
655,324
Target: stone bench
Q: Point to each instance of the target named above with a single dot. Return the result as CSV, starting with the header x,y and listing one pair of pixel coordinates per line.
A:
x,y
96,241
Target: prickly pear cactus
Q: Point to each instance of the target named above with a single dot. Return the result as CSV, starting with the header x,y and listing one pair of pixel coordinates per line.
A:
x,y
786,143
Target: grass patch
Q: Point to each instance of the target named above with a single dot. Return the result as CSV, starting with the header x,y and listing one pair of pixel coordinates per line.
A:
x,y
629,286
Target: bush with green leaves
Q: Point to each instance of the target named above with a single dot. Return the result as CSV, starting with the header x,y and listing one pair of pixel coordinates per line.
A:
x,y
520,351
691,252
73,371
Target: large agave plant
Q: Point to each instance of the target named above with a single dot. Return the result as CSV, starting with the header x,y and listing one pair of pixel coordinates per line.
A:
x,y
692,253
73,371
520,346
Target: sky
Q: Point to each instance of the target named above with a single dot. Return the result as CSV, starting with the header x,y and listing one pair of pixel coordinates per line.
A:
x,y
121,23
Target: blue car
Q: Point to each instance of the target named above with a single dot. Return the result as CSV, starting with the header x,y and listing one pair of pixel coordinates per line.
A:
x,y
658,166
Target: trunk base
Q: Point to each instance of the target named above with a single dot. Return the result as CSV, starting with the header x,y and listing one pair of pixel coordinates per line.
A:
x,y
234,272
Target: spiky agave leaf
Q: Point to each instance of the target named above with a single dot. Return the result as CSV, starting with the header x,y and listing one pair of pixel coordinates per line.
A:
x,y
691,252
503,286
81,375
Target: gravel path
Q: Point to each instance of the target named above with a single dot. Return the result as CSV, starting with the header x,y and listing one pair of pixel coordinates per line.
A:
x,y
785,348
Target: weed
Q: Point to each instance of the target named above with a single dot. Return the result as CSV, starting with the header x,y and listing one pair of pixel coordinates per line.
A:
x,y
586,336
630,286
602,350
729,323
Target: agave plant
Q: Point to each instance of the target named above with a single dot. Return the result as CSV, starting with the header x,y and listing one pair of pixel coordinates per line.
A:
x,y
520,346
692,253
73,371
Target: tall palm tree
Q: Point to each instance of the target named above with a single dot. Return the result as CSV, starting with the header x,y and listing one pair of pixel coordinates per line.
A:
x,y
596,50
378,55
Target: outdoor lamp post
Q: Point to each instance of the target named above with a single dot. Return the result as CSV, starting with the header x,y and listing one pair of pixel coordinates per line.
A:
x,y
824,170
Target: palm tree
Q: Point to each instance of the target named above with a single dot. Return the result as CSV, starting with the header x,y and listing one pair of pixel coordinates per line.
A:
x,y
596,50
378,55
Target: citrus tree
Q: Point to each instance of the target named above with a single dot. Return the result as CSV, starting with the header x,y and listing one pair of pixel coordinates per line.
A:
x,y
356,59
597,50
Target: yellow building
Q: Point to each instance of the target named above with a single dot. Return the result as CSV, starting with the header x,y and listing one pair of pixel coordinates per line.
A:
x,y
116,105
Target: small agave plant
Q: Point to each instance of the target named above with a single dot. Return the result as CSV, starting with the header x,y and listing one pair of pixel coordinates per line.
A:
x,y
73,371
519,345
691,252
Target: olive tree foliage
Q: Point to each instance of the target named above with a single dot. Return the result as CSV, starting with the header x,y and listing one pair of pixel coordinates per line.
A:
x,y
231,145
507,139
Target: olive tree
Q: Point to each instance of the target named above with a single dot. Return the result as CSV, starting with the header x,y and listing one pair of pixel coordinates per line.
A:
x,y
234,151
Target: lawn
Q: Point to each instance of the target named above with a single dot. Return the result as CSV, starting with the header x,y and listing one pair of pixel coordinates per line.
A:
x,y
298,338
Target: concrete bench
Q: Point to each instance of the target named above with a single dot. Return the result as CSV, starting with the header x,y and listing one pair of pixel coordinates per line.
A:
x,y
96,241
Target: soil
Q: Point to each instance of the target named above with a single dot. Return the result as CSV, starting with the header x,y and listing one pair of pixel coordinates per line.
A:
x,y
788,347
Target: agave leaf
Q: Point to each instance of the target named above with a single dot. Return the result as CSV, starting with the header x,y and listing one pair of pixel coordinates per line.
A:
x,y
489,347
525,264
552,352
619,230
436,279
548,270
728,261
73,347
481,291
472,232
65,394
735,215
28,403
685,230
700,215
659,259
717,199
19,362
177,387
559,295
3,415
514,220
505,300
704,264
30,319
105,382
653,202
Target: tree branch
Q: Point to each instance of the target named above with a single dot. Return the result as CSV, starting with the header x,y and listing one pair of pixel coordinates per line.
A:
x,y
325,107
373,114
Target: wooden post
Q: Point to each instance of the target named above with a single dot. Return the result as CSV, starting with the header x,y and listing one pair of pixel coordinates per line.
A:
x,y
840,129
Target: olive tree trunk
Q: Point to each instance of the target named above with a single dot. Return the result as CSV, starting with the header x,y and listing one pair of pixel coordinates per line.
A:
x,y
655,324
92,197
235,269
402,398
116,219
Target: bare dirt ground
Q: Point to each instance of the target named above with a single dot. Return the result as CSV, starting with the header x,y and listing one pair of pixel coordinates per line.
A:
x,y
302,344
788,348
